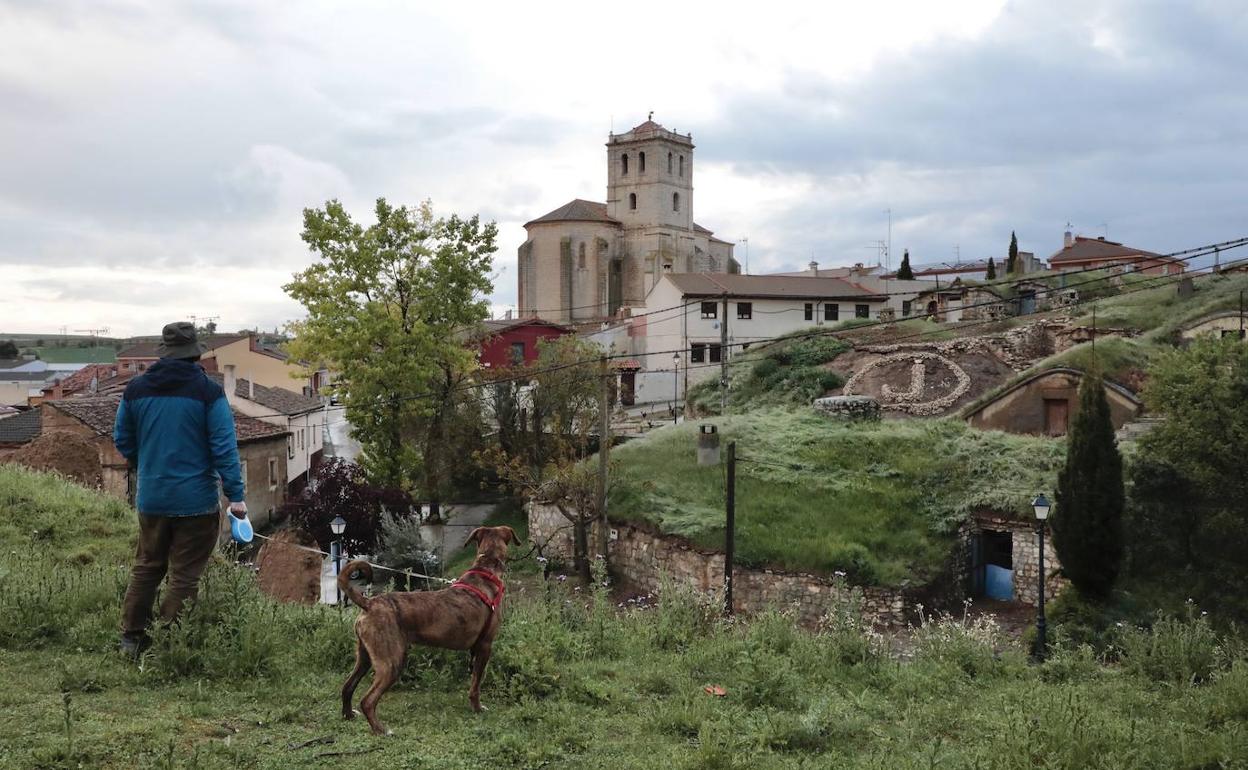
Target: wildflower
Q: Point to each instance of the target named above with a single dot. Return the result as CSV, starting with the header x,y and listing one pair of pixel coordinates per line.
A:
x,y
541,560
562,578
840,573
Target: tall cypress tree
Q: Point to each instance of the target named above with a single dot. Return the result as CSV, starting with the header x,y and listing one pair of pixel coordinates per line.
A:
x,y
1087,521
1011,262
904,273
992,269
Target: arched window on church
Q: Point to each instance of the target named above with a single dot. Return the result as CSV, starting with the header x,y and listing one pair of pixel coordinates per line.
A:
x,y
624,163
632,201
682,165
675,201
669,163
580,257
641,163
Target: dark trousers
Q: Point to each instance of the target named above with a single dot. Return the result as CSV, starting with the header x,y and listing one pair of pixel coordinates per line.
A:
x,y
177,545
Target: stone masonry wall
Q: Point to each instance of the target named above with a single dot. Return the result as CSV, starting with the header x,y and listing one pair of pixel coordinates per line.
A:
x,y
639,558
1025,554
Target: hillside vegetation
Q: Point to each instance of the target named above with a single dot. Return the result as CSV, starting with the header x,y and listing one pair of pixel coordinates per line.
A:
x,y
880,501
575,682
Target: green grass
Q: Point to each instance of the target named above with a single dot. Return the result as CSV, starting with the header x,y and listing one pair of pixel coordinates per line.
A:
x,y
103,354
880,501
790,371
72,524
1162,312
576,682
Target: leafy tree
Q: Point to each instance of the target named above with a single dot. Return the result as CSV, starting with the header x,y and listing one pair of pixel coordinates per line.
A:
x,y
992,269
1011,262
1189,496
1087,520
9,349
546,429
385,306
904,273
341,488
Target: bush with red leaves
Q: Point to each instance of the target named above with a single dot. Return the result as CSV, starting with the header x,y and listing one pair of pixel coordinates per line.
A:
x,y
340,488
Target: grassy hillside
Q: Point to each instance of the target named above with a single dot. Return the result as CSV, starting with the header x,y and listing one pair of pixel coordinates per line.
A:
x,y
878,500
61,521
575,682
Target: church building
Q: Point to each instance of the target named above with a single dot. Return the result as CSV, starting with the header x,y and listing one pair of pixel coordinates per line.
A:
x,y
586,260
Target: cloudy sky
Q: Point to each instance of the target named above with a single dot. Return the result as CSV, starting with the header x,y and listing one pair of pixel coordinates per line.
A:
x,y
155,156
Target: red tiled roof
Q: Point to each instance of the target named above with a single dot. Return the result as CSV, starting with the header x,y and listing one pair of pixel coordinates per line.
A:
x,y
81,379
735,285
1084,249
99,414
577,210
278,399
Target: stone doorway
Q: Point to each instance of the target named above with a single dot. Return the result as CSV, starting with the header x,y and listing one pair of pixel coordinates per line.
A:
x,y
992,565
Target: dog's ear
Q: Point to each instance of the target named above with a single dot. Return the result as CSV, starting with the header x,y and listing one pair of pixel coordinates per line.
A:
x,y
475,537
510,535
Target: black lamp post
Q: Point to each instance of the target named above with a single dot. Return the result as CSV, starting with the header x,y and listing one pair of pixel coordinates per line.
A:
x,y
338,526
1042,507
675,385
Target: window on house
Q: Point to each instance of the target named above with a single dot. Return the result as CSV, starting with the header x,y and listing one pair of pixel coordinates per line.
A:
x,y
675,201
808,311
290,447
745,310
669,163
710,310
697,352
517,352
682,165
624,163
905,307
641,163
862,311
632,201
580,257
831,311
272,473
715,352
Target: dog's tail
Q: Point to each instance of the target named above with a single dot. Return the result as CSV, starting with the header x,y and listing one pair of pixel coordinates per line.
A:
x,y
344,582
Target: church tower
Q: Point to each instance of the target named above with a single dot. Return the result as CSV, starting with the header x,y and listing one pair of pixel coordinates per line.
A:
x,y
650,178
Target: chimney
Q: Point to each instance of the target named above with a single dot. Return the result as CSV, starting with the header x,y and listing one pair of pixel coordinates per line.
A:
x,y
1068,240
230,382
814,267
507,315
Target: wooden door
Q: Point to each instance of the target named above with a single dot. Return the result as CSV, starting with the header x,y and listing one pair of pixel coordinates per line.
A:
x,y
1056,415
628,387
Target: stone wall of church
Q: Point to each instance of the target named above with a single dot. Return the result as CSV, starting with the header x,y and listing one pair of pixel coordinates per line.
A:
x,y
560,277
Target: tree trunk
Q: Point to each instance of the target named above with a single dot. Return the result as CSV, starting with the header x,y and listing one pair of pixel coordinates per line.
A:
x,y
580,548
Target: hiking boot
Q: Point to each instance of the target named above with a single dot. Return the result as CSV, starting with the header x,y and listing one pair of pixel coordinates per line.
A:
x,y
133,645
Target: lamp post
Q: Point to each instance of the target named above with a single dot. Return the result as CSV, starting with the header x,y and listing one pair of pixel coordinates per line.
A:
x,y
675,385
337,526
1042,507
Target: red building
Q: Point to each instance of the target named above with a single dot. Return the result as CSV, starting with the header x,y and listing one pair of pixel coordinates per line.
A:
x,y
1079,253
510,342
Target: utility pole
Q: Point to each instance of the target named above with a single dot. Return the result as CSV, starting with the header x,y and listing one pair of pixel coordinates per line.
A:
x,y
723,358
730,528
604,453
1241,314
95,340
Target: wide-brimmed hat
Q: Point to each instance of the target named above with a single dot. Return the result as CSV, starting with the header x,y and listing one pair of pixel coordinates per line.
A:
x,y
179,340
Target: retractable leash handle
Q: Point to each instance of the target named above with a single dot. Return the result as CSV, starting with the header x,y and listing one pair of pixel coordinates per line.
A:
x,y
240,529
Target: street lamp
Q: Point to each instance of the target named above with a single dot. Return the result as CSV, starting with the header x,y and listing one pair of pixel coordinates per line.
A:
x,y
1042,507
337,526
675,384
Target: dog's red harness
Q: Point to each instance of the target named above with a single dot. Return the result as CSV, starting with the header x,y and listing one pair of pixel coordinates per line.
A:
x,y
490,578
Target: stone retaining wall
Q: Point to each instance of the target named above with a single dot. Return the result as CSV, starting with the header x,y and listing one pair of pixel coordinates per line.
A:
x,y
639,558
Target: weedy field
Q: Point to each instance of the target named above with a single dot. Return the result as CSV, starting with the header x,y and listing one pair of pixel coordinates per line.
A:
x,y
576,681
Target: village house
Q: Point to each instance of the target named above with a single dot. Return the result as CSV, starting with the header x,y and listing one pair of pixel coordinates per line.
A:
x,y
1227,323
22,387
261,448
244,352
585,260
302,417
900,295
511,342
17,429
973,269
1043,403
678,341
1080,253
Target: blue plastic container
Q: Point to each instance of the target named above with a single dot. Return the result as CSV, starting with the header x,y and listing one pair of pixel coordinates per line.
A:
x,y
240,529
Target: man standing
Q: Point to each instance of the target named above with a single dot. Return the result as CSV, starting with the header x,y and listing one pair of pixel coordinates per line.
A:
x,y
175,425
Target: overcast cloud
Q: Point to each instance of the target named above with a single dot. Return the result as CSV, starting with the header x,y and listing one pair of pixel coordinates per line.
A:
x,y
155,157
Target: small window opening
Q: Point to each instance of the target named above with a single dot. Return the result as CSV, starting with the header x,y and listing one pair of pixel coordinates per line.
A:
x,y
580,258
669,163
697,353
517,352
624,163
808,311
710,310
682,165
632,201
745,310
675,201
641,163
862,311
715,352
831,311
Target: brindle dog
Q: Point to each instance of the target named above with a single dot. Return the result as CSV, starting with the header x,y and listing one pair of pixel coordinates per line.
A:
x,y
452,618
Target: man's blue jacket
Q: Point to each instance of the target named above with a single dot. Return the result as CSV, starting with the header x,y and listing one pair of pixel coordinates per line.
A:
x,y
176,425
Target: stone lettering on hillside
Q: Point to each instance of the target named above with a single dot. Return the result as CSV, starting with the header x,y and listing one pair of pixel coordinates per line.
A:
x,y
922,393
